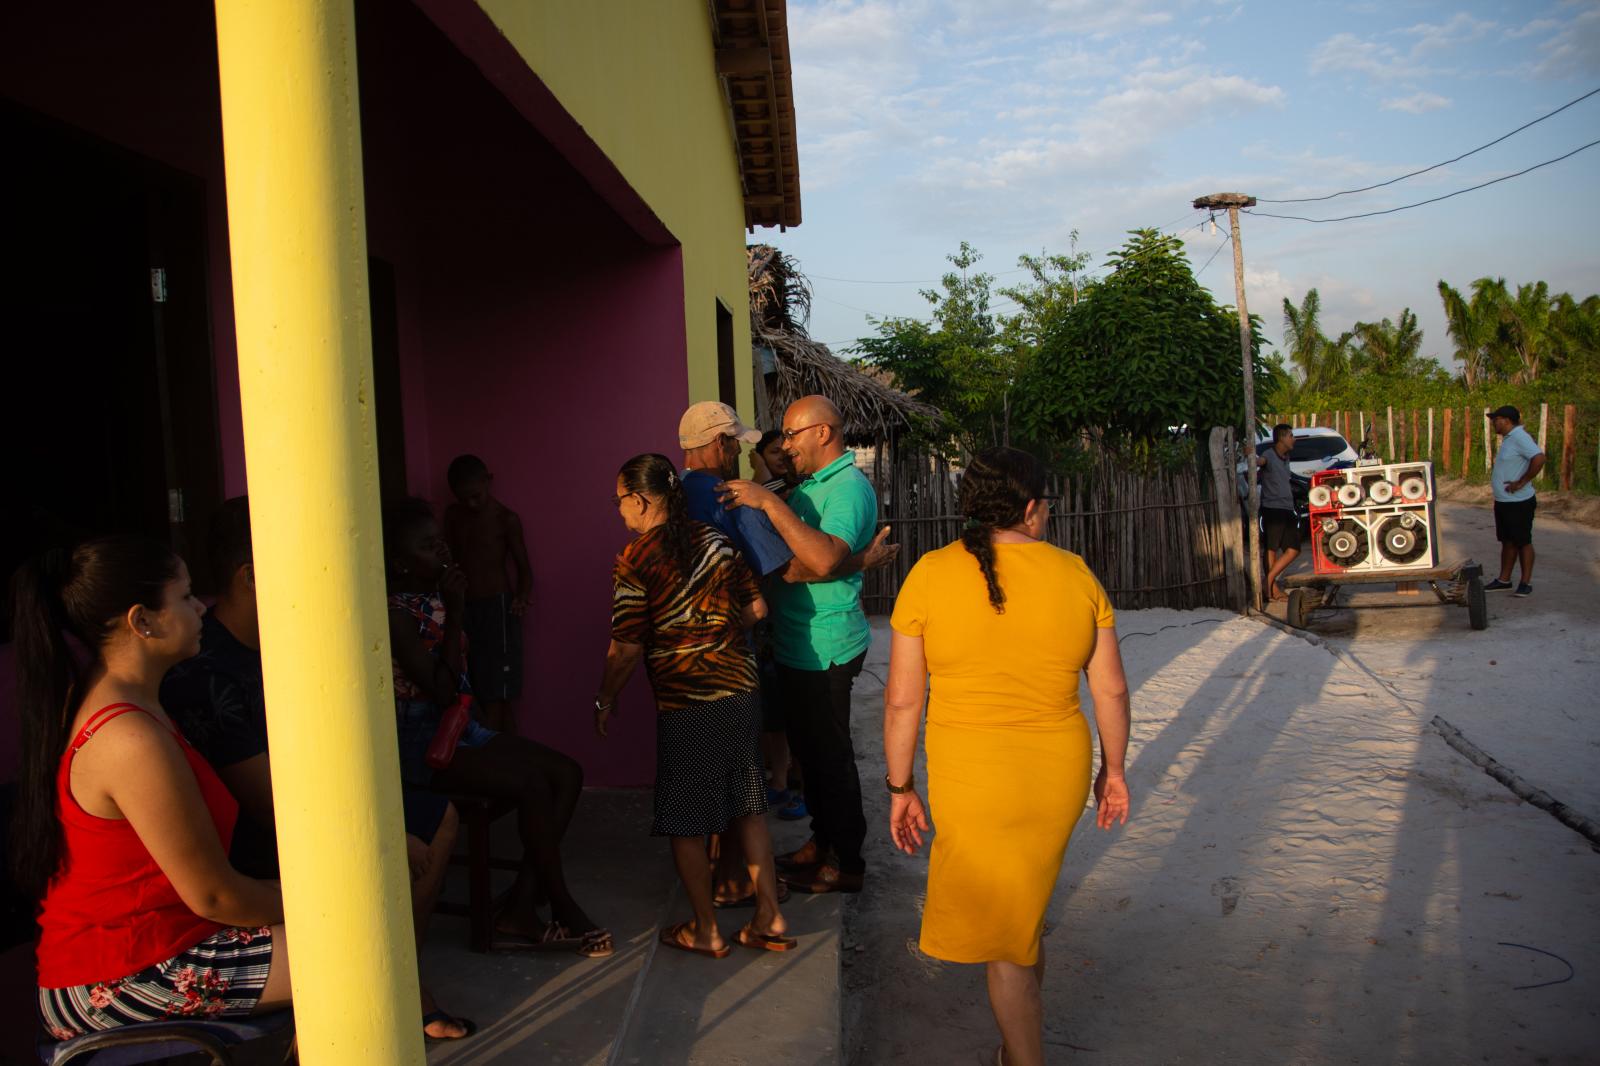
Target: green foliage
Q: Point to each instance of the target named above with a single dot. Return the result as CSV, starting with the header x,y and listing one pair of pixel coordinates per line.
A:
x,y
968,361
1142,351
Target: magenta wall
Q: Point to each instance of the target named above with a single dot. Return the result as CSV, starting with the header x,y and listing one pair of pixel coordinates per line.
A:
x,y
536,328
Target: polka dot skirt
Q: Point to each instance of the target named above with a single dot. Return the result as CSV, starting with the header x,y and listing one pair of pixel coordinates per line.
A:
x,y
708,766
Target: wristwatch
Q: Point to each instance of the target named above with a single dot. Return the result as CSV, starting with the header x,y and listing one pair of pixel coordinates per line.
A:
x,y
603,706
900,790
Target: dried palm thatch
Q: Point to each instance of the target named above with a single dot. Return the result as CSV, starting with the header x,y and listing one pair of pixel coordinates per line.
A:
x,y
780,306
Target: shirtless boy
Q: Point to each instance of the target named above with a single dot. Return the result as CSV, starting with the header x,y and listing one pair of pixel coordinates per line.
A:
x,y
484,537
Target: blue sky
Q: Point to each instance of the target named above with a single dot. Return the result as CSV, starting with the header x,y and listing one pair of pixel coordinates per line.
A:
x,y
1012,123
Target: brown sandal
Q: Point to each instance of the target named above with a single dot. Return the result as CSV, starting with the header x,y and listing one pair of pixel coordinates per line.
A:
x,y
765,941
672,937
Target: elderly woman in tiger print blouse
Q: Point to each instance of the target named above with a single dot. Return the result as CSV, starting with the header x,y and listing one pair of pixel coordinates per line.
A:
x,y
683,601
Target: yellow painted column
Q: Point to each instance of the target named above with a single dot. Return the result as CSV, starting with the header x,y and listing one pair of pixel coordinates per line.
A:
x,y
296,222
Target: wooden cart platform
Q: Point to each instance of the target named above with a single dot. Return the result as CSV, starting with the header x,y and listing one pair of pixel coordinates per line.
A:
x,y
1460,585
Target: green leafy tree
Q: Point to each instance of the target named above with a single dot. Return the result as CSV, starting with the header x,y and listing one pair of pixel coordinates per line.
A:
x,y
1388,349
1141,351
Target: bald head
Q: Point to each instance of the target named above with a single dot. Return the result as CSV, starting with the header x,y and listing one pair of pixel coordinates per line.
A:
x,y
812,434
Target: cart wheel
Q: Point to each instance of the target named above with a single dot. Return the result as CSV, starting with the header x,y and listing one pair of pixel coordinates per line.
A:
x,y
1477,604
1296,611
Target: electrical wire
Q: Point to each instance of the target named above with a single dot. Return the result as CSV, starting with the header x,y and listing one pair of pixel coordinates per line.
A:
x,y
1430,200
1214,254
907,281
1436,166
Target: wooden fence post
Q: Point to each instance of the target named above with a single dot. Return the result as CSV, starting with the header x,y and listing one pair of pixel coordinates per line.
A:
x,y
1488,443
1449,463
1429,456
1388,450
1569,445
1544,419
1416,452
1466,442
1228,520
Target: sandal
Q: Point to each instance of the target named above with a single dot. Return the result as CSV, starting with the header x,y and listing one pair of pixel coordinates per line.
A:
x,y
595,944
672,937
765,941
445,1016
750,900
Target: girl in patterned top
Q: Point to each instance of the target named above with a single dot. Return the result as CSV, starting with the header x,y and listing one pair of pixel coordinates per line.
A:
x,y
683,601
427,597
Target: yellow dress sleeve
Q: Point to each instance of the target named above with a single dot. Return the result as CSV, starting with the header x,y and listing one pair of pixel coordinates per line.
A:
x,y
910,615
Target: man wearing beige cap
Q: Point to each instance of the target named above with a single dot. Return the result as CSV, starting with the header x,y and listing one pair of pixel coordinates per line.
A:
x,y
710,434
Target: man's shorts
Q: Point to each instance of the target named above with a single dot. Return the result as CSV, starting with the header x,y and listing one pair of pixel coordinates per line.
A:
x,y
494,648
1513,522
1280,530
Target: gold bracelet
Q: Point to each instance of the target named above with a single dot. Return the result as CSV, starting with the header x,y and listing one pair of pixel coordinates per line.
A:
x,y
900,790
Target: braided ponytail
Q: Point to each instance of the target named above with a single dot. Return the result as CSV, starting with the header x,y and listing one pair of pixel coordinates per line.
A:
x,y
995,493
654,475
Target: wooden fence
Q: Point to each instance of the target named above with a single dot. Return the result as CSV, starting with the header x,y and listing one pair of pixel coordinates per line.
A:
x,y
1461,442
1153,541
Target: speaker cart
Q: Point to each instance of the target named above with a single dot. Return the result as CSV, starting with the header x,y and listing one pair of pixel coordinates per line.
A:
x,y
1455,586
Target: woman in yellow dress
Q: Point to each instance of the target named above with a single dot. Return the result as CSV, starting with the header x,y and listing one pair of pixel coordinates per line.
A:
x,y
1005,623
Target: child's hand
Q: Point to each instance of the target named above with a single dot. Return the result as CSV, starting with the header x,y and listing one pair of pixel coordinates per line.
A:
x,y
519,606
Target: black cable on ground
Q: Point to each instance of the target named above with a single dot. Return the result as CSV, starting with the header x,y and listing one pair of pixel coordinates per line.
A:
x,y
1175,625
1571,970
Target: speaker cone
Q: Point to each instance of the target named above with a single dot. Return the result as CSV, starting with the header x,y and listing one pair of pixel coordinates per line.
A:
x,y
1350,494
1320,496
1380,491
1404,539
1346,544
1414,488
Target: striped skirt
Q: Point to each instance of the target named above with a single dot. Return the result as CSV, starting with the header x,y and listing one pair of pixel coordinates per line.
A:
x,y
220,977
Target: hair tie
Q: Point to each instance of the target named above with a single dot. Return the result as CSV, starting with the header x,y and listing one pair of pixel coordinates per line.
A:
x,y
672,479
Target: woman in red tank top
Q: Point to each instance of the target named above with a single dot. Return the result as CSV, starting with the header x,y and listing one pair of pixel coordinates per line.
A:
x,y
122,828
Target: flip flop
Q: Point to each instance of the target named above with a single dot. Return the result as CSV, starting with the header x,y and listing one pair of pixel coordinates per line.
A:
x,y
595,944
750,900
445,1016
765,941
671,936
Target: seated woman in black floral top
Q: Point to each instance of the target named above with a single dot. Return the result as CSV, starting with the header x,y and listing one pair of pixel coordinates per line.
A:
x,y
427,597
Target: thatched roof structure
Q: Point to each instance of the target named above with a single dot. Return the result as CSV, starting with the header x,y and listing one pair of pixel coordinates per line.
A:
x,y
780,305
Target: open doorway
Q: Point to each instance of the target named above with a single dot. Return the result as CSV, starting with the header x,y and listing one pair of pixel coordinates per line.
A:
x,y
103,289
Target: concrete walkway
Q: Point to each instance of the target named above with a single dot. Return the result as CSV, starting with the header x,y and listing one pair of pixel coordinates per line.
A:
x,y
645,1005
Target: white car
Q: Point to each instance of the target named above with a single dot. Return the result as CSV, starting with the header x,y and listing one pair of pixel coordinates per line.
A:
x,y
1315,448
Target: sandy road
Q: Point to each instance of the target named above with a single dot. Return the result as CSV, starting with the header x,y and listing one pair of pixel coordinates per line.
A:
x,y
1527,689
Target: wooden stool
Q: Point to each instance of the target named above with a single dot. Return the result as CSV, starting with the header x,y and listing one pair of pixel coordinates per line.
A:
x,y
478,815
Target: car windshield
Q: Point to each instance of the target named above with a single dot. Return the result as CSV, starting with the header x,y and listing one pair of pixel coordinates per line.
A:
x,y
1310,449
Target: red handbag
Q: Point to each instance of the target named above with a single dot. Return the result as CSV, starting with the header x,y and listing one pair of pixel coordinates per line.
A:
x,y
442,748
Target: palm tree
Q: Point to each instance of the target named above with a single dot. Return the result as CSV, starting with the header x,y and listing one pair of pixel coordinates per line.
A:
x,y
1474,325
1386,348
1310,352
1526,328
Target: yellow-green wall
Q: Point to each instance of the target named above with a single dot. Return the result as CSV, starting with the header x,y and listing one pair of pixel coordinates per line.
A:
x,y
640,77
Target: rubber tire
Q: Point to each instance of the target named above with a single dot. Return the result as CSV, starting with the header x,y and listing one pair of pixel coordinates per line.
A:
x,y
1295,612
1477,604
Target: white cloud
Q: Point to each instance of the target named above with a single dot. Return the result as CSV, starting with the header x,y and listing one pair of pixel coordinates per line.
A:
x,y
1417,103
1346,53
1573,50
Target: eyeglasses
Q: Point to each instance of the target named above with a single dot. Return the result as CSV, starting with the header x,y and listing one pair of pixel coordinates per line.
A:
x,y
616,501
791,434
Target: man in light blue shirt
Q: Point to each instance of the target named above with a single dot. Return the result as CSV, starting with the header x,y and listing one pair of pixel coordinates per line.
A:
x,y
1515,465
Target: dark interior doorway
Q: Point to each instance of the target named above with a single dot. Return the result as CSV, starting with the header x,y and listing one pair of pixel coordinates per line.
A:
x,y
111,401
727,385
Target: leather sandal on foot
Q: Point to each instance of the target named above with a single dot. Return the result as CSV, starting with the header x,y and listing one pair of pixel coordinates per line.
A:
x,y
672,937
750,900
749,938
445,1016
823,879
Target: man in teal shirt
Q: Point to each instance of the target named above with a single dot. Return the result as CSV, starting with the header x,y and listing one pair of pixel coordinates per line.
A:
x,y
821,633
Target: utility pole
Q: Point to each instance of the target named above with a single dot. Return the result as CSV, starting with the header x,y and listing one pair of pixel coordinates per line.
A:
x,y
1233,201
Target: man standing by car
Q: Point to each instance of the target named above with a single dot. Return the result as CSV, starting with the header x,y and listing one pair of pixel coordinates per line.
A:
x,y
1515,465
1280,530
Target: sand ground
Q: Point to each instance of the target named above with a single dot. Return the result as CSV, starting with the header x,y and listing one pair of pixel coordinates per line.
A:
x,y
1310,874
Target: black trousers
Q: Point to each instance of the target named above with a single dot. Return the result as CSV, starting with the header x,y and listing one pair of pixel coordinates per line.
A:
x,y
817,713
